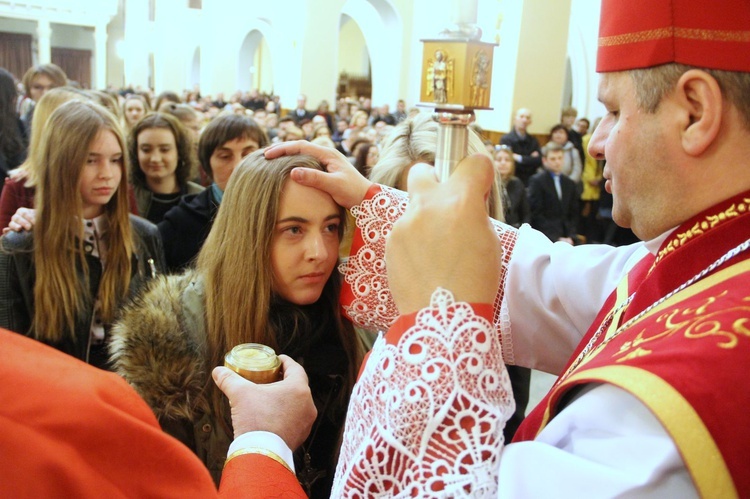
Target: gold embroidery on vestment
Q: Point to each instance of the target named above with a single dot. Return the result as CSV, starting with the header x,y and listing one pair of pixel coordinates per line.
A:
x,y
700,228
694,323
711,35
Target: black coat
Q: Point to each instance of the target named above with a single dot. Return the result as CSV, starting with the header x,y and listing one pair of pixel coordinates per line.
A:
x,y
517,210
17,278
554,217
185,227
524,146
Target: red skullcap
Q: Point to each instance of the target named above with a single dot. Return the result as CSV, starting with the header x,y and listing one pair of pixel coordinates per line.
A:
x,y
711,34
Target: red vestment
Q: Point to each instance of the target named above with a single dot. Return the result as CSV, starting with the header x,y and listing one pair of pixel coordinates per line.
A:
x,y
685,357
71,430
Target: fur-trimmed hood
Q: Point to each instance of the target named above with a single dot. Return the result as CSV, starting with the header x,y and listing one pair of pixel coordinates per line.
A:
x,y
159,346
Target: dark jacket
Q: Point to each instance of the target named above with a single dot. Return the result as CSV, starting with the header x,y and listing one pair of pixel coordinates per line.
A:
x,y
554,217
144,198
17,278
516,203
185,228
168,318
524,146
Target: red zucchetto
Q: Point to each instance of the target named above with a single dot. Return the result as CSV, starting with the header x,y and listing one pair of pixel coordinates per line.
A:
x,y
712,34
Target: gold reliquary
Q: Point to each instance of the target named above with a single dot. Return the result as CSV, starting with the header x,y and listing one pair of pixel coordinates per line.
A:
x,y
457,74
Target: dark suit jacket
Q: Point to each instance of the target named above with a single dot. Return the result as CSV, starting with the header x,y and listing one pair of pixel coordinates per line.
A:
x,y
524,146
554,217
308,115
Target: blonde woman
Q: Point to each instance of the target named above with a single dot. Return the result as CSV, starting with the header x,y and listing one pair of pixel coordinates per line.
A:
x,y
65,281
515,200
414,141
266,274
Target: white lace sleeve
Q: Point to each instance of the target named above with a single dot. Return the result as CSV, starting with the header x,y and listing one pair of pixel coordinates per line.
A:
x,y
426,417
366,298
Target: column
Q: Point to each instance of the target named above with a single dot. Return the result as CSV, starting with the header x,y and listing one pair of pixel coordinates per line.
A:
x,y
43,36
137,43
100,57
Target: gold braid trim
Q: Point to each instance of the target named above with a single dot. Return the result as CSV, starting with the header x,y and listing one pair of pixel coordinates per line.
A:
x,y
261,451
686,33
701,227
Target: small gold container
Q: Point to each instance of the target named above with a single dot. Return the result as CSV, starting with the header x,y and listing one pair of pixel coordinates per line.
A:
x,y
255,362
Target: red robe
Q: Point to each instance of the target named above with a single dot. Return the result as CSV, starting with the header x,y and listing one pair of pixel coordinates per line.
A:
x,y
71,430
686,357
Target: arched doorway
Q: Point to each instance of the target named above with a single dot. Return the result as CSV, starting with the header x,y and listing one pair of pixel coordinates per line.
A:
x,y
355,78
382,31
254,69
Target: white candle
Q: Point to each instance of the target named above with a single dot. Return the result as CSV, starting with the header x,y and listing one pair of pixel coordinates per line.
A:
x,y
464,11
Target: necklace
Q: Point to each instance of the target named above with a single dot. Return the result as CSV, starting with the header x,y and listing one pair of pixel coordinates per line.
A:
x,y
605,324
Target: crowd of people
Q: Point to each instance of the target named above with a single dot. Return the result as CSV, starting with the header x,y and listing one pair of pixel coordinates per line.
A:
x,y
155,238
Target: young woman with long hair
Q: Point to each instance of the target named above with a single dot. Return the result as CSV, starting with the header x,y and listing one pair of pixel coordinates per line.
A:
x,y
65,281
266,274
515,201
162,157
134,107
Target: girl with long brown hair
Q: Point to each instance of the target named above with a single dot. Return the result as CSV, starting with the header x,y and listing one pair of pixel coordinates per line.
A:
x,y
162,156
65,281
266,274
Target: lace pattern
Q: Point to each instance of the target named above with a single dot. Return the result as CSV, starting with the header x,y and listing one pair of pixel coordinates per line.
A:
x,y
427,415
367,299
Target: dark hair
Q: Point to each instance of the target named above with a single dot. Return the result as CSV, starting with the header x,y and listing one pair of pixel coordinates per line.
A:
x,y
223,129
11,140
185,151
360,161
559,127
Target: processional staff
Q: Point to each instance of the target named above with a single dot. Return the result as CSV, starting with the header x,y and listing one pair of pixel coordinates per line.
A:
x,y
456,80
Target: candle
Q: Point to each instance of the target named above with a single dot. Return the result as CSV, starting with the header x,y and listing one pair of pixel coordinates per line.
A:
x,y
464,11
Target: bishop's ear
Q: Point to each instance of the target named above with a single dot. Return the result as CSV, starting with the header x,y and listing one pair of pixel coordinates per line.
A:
x,y
700,95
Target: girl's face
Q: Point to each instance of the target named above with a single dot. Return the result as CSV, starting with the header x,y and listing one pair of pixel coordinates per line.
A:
x,y
134,111
361,121
503,163
101,174
560,137
157,153
305,244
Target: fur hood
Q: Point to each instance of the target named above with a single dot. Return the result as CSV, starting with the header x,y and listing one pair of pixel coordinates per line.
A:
x,y
159,346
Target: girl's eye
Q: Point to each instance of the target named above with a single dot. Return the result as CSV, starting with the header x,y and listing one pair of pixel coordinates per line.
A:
x,y
294,230
333,227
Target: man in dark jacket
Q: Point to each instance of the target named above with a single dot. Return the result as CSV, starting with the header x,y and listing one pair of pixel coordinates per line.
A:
x,y
553,199
525,147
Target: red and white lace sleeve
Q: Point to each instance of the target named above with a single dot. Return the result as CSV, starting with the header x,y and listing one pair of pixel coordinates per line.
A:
x,y
426,417
366,298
